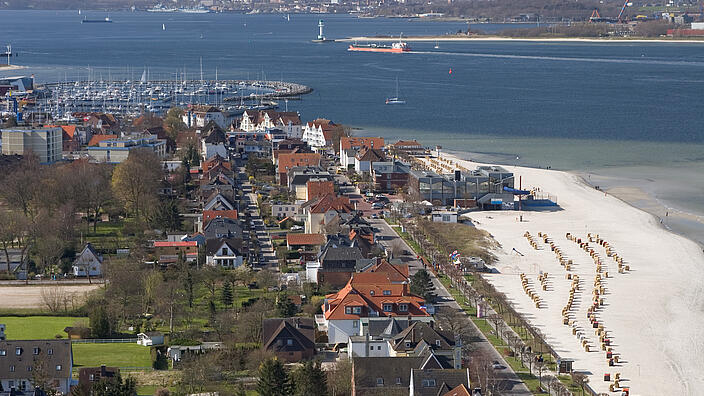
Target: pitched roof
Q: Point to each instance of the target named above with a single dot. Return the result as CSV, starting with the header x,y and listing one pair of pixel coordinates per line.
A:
x,y
368,369
341,253
204,109
68,130
212,214
223,227
61,355
349,142
370,154
459,390
371,291
214,244
91,249
331,202
305,239
443,380
396,272
290,160
215,134
99,138
419,332
319,188
300,329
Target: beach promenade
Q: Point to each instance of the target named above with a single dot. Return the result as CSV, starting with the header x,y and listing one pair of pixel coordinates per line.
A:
x,y
650,281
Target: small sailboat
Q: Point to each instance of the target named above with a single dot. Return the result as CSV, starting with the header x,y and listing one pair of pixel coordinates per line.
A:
x,y
395,100
79,11
436,45
163,26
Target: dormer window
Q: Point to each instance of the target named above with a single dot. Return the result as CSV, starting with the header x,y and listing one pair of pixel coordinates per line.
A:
x,y
428,383
371,292
348,310
35,351
388,307
387,292
3,352
403,307
437,342
379,382
18,351
357,310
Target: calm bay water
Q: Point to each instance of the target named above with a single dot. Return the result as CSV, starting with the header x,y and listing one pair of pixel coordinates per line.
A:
x,y
627,113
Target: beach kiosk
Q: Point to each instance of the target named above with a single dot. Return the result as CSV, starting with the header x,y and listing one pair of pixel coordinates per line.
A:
x,y
564,365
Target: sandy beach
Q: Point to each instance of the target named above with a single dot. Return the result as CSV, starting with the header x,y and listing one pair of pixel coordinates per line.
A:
x,y
10,67
652,313
500,38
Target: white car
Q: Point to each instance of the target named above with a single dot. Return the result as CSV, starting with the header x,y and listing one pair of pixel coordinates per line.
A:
x,y
296,228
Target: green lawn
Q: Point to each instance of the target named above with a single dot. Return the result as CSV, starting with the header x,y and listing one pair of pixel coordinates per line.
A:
x,y
38,327
148,390
116,355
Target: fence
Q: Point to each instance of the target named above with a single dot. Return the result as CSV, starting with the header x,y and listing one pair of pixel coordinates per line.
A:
x,y
105,341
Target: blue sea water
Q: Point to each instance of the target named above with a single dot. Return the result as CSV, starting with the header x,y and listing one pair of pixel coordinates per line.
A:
x,y
631,112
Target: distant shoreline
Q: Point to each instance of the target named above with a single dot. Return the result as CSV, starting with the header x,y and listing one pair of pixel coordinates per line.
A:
x,y
11,67
529,39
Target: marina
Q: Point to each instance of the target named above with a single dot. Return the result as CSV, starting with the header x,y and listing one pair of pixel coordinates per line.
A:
x,y
128,97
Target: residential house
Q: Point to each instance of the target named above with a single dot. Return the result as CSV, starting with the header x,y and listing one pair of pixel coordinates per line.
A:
x,y
18,359
100,122
433,382
398,273
357,142
368,295
420,337
304,241
199,116
224,253
96,139
88,263
215,160
383,376
376,333
150,338
221,227
291,339
178,353
87,376
318,133
319,187
461,390
323,209
366,157
286,161
298,178
213,141
284,210
219,200
213,214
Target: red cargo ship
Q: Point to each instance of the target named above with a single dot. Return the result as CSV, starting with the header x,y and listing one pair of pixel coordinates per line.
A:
x,y
397,48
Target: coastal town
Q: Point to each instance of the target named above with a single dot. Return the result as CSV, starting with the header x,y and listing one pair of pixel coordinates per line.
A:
x,y
252,251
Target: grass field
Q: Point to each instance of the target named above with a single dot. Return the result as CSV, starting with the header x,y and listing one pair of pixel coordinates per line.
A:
x,y
38,327
116,355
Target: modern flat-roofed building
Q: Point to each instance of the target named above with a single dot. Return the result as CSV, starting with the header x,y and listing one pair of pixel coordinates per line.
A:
x,y
46,143
117,150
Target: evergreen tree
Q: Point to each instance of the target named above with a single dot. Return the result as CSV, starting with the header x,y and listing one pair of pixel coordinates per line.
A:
x,y
310,380
115,387
100,322
284,307
422,285
227,297
273,379
167,216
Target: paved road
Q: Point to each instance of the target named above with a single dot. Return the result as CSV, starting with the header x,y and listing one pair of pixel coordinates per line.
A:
x,y
267,257
387,236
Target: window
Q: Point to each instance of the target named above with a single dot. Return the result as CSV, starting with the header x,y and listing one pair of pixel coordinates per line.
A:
x,y
403,307
58,367
348,310
378,348
3,352
371,348
29,368
387,292
289,341
428,382
35,351
12,369
408,345
224,251
18,351
437,342
11,384
398,380
92,377
355,324
379,382
388,307
357,310
371,292
50,351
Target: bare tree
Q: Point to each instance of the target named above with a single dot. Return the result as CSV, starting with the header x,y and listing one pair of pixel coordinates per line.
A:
x,y
498,322
54,298
540,366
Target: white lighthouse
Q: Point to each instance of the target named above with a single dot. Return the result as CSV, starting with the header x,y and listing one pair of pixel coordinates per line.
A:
x,y
321,36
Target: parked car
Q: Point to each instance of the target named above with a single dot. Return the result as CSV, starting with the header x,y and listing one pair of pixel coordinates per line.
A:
x,y
377,205
296,228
